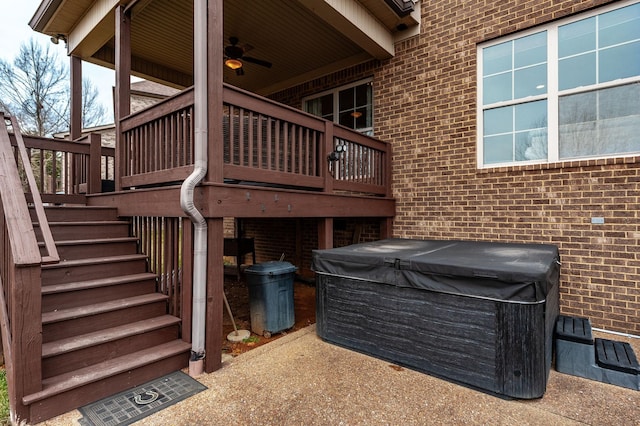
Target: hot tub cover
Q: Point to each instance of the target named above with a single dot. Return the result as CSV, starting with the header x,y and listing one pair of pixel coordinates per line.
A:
x,y
502,271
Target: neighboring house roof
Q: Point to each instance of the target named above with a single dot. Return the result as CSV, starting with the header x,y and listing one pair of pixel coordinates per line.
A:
x,y
143,94
151,89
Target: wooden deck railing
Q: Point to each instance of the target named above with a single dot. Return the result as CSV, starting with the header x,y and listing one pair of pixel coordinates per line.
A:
x,y
157,143
67,170
264,143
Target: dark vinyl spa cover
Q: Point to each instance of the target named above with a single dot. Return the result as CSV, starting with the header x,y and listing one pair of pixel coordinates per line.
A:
x,y
501,271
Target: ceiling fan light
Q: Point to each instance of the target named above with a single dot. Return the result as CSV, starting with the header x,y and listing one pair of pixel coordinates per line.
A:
x,y
234,64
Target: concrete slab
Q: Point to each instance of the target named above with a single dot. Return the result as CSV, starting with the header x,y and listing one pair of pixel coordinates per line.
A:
x,y
299,379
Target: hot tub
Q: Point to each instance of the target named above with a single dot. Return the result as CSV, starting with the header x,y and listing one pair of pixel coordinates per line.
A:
x,y
478,313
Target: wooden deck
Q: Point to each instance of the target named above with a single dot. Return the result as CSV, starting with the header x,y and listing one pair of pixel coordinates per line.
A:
x,y
271,161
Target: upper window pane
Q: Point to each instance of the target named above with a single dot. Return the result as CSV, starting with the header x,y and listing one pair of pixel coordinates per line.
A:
x,y
577,71
578,37
515,69
497,59
530,50
619,62
530,81
497,88
600,49
321,106
619,26
350,106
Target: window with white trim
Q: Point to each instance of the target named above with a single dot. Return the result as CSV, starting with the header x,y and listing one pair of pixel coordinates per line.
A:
x,y
350,105
568,90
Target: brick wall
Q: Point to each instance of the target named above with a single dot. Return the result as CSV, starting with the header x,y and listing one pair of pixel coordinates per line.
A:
x,y
273,237
425,105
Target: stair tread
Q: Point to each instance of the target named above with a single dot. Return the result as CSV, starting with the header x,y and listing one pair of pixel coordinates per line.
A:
x,y
616,355
74,379
574,329
98,337
94,260
99,308
86,222
78,207
95,241
100,282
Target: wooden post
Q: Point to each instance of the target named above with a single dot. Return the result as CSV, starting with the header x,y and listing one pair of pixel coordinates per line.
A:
x,y
186,296
215,53
325,233
94,179
215,228
215,292
26,335
325,149
75,128
123,83
386,227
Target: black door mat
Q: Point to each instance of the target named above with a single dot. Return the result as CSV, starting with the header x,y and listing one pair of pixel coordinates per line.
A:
x,y
134,404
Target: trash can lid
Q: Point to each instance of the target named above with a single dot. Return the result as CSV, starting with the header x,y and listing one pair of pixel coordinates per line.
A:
x,y
271,268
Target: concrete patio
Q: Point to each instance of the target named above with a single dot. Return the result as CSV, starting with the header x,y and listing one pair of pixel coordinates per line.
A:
x,y
301,380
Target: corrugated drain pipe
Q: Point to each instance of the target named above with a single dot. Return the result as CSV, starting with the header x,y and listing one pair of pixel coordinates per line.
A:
x,y
200,112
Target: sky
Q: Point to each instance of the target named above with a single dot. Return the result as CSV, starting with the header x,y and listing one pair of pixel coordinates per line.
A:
x,y
15,30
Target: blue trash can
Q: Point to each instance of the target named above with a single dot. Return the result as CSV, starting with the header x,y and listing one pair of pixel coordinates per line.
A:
x,y
271,297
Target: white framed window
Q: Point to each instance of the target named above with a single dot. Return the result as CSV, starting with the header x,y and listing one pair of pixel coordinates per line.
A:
x,y
350,105
567,90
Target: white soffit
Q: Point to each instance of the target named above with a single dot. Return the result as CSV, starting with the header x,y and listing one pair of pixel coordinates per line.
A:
x,y
356,23
94,30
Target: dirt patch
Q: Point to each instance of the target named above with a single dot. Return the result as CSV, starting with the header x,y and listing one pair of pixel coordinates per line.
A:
x,y
237,292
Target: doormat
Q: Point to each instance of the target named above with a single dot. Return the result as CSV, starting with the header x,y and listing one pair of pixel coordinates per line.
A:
x,y
134,404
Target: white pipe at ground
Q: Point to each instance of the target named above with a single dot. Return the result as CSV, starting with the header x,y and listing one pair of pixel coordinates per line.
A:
x,y
187,190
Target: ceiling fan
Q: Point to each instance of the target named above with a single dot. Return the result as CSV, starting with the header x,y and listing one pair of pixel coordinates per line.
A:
x,y
234,55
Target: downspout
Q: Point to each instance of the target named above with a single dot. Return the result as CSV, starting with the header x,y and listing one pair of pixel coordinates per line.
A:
x,y
200,112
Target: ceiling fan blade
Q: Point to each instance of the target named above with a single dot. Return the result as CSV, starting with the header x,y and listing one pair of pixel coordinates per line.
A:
x,y
240,71
257,61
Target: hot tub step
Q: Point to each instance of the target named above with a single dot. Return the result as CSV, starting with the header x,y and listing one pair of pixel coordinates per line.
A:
x,y
574,329
617,356
607,361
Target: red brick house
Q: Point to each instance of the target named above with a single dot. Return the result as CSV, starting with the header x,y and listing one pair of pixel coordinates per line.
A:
x,y
418,119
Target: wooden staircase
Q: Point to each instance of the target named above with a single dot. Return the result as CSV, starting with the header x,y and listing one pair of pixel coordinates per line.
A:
x,y
104,327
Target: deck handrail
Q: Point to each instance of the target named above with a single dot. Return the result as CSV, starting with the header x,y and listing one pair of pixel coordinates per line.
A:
x,y
25,165
263,142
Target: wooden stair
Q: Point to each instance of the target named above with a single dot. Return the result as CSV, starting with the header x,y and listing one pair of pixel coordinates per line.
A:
x,y
105,329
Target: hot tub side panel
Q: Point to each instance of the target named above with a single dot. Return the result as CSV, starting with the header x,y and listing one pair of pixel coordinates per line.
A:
x,y
444,335
503,348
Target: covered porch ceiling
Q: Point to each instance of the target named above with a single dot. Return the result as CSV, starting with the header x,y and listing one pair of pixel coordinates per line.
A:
x,y
302,39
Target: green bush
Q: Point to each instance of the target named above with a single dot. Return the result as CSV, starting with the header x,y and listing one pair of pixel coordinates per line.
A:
x,y
4,399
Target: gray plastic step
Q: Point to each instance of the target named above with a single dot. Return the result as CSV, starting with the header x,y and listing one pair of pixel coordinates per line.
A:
x,y
574,329
617,356
606,361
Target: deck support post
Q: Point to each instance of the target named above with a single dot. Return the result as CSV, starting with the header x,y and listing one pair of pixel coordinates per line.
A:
x,y
215,291
75,128
123,82
386,227
325,233
215,266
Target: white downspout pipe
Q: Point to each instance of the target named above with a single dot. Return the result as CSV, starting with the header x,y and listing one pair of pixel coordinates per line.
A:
x,y
200,112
